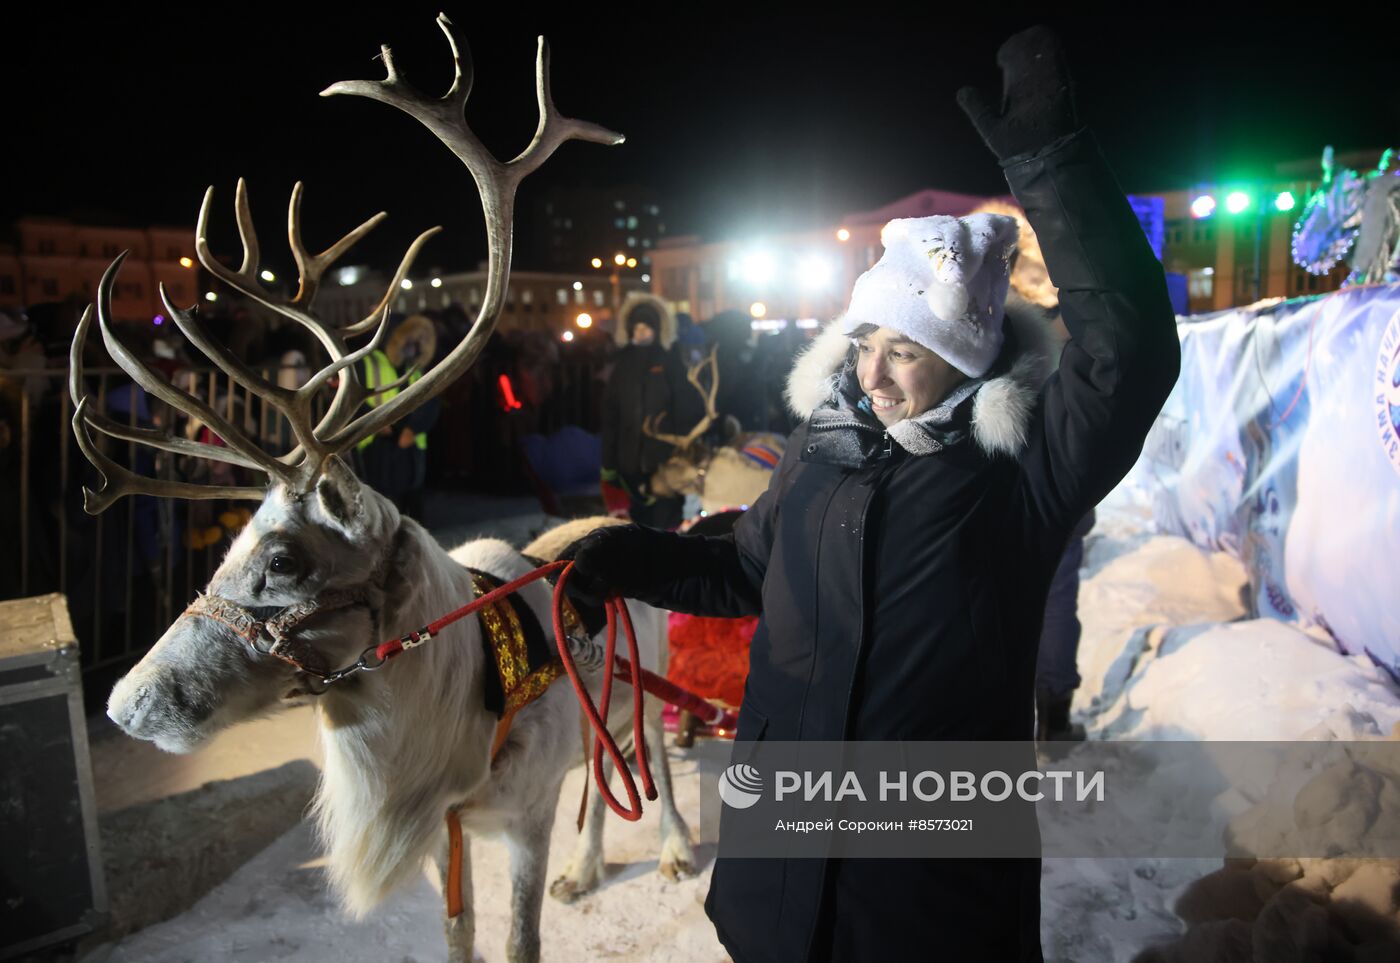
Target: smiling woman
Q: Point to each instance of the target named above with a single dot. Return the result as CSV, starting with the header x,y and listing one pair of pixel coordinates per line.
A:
x,y
900,558
901,378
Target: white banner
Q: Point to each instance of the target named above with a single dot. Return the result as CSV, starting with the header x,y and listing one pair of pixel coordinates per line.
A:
x,y
1279,445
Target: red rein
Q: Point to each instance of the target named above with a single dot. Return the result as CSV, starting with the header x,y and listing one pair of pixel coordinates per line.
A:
x,y
629,670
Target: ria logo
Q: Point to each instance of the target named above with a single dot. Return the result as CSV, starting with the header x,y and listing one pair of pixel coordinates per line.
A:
x,y
740,786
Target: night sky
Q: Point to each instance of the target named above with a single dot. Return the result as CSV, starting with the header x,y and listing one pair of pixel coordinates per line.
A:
x,y
740,122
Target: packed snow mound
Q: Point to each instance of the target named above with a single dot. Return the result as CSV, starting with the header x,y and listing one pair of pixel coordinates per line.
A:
x,y
1253,680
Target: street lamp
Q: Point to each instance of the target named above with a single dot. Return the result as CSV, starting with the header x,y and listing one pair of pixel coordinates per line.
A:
x,y
619,261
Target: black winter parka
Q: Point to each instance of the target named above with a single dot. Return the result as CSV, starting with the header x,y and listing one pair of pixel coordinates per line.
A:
x,y
902,596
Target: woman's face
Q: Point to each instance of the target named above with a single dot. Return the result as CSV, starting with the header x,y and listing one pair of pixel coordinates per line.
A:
x,y
901,378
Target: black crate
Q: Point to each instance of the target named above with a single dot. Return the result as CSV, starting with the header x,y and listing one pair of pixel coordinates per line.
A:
x,y
51,885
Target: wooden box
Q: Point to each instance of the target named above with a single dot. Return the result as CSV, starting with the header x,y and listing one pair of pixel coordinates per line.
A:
x,y
51,885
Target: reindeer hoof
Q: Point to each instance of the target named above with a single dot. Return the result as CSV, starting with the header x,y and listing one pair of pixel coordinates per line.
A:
x,y
677,858
567,890
676,869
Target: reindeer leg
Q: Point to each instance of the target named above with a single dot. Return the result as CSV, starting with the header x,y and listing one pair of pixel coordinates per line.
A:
x,y
677,857
528,842
461,930
585,869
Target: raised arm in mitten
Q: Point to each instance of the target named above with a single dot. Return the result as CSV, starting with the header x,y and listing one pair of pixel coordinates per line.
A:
x,y
1124,356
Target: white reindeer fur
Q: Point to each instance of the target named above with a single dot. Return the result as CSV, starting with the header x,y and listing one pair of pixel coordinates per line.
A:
x,y
405,743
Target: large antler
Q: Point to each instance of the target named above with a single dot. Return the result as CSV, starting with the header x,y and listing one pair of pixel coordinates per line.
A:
x,y
338,430
495,180
692,375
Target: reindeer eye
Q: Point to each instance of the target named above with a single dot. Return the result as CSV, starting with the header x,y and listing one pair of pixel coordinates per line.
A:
x,y
283,565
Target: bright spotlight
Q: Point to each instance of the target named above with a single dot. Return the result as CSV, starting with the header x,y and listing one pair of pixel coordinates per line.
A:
x,y
758,309
210,296
843,235
597,262
813,273
436,282
567,336
1237,202
757,268
619,259
1285,201
578,285
1203,206
406,284
267,275
584,320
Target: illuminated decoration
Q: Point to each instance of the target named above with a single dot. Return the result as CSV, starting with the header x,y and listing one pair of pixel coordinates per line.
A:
x,y
1354,213
186,262
597,262
1203,207
436,282
1237,202
158,319
1151,213
210,296
1285,201
758,309
406,284
843,235
267,275
508,399
584,320
567,336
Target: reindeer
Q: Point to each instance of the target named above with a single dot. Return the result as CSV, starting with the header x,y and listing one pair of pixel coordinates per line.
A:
x,y
731,475
327,568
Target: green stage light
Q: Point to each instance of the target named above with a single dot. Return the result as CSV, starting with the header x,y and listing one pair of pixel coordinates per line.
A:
x,y
1237,202
1285,201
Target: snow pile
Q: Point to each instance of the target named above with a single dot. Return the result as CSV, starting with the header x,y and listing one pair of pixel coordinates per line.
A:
x,y
1167,655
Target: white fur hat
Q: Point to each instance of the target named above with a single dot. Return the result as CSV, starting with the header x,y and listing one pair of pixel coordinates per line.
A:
x,y
942,283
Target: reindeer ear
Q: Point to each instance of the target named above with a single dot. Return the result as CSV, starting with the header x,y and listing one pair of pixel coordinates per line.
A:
x,y
340,496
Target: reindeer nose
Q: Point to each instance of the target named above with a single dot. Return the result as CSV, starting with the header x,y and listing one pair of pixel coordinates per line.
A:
x,y
129,705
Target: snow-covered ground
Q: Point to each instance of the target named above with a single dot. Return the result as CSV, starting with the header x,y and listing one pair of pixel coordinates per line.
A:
x,y
1165,655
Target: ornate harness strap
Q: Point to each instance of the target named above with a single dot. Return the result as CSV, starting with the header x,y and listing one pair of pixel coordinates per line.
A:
x,y
281,627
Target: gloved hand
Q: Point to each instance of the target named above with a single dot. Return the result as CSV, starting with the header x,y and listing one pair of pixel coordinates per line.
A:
x,y
1037,99
627,560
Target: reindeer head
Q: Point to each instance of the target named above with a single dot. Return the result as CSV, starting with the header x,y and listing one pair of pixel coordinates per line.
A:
x,y
301,590
684,472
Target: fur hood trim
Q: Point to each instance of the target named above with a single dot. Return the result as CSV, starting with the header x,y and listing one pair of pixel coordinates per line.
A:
x,y
1003,404
665,337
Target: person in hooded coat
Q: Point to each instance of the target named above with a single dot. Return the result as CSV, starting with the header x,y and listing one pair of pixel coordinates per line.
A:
x,y
647,381
901,557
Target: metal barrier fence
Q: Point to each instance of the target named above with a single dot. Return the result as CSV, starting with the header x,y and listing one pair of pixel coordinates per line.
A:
x,y
131,570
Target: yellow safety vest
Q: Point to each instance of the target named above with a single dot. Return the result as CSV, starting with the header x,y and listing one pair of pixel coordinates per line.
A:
x,y
379,370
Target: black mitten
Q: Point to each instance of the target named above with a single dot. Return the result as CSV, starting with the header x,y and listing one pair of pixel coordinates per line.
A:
x,y
1036,107
627,560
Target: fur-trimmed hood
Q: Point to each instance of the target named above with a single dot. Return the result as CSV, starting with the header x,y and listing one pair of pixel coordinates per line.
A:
x,y
665,337
1003,402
